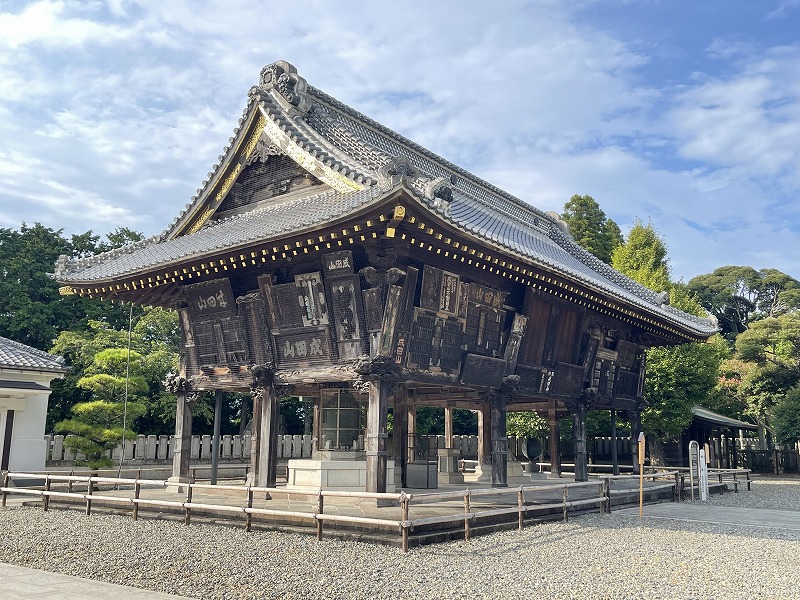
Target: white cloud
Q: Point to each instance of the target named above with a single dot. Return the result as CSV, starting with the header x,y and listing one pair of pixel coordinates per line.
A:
x,y
43,23
115,111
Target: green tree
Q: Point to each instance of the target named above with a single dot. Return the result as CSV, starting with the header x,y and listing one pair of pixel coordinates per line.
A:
x,y
786,416
591,228
738,295
116,386
643,257
769,352
677,377
31,309
526,424
155,337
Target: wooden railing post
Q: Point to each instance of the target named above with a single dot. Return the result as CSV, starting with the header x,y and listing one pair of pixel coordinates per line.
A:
x,y
5,485
248,519
320,510
46,497
565,496
89,496
521,503
188,510
404,501
467,510
137,489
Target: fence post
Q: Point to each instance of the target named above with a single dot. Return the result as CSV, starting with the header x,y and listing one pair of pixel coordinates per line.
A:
x,y
5,485
248,520
466,512
188,510
565,496
320,510
46,498
404,532
89,497
136,492
521,503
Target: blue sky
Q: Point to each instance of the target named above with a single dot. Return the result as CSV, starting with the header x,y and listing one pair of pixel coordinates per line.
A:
x,y
680,112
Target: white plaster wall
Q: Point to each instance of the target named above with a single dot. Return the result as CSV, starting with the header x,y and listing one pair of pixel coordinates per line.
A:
x,y
28,447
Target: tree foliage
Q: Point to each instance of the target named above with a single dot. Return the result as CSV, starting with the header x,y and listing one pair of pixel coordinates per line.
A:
x,y
786,415
738,295
643,257
31,309
591,228
100,351
677,377
117,391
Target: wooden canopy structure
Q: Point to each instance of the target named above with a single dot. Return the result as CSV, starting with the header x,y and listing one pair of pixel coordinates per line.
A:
x,y
327,253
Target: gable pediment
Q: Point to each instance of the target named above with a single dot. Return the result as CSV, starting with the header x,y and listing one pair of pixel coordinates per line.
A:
x,y
267,177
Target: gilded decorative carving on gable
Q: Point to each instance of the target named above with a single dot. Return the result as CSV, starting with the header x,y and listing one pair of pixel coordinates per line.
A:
x,y
200,220
336,180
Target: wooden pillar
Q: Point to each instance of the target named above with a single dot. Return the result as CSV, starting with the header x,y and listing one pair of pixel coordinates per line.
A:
x,y
400,433
183,436
264,453
411,436
555,451
376,436
484,467
216,437
614,457
499,440
636,427
245,410
448,427
579,435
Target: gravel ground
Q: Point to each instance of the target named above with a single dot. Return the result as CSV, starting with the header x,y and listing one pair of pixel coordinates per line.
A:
x,y
593,556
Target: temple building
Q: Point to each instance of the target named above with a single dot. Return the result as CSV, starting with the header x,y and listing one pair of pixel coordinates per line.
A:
x,y
329,257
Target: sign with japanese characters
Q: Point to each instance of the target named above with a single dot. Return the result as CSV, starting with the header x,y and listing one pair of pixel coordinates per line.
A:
x,y
481,294
337,264
302,348
311,297
210,297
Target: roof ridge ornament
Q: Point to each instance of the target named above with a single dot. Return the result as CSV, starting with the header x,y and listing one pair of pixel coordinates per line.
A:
x,y
439,192
397,171
282,77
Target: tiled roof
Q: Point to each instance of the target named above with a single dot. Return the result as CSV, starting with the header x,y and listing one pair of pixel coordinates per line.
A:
x,y
700,413
15,355
6,384
233,232
355,147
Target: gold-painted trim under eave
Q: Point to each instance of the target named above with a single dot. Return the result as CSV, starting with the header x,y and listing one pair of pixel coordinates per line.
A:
x,y
66,290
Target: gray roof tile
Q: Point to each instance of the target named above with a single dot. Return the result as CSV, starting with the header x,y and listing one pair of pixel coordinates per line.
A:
x,y
19,356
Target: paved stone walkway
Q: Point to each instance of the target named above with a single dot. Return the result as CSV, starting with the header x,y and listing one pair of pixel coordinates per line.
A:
x,y
19,583
719,515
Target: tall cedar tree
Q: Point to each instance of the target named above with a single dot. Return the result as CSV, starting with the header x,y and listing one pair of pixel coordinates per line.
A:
x,y
677,377
590,227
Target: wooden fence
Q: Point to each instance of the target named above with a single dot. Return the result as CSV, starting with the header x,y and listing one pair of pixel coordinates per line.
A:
x,y
477,503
